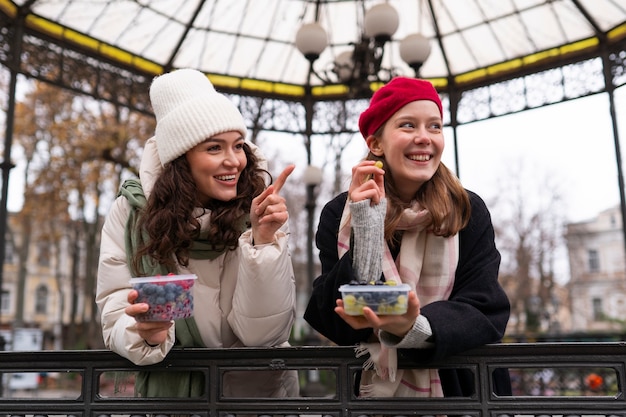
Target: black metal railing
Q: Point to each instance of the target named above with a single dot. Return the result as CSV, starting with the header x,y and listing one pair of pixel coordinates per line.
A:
x,y
548,379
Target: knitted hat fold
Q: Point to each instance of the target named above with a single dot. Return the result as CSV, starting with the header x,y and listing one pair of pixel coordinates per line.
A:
x,y
188,111
391,97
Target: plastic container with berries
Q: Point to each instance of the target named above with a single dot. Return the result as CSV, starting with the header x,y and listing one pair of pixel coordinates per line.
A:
x,y
170,297
381,297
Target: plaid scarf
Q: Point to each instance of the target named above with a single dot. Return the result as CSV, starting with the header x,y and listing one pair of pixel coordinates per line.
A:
x,y
428,264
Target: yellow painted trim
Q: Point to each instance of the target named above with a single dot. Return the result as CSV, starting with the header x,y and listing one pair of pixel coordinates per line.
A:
x,y
617,33
231,82
224,81
289,89
89,43
8,7
439,82
329,90
531,59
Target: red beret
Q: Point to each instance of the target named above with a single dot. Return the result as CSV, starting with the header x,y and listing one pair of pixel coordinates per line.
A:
x,y
391,97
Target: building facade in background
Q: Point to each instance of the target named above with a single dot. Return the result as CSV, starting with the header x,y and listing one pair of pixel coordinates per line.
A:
x,y
39,290
597,285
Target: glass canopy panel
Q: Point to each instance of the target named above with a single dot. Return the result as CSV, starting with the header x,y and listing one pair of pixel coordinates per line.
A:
x,y
245,38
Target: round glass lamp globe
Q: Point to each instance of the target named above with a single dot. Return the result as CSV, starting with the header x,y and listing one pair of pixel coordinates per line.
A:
x,y
311,40
381,22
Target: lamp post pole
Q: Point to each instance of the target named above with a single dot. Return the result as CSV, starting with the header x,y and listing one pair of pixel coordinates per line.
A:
x,y
311,177
309,180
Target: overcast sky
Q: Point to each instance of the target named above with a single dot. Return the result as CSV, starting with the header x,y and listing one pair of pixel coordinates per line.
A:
x,y
570,144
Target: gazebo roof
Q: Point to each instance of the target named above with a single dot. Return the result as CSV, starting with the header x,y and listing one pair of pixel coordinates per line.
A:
x,y
249,46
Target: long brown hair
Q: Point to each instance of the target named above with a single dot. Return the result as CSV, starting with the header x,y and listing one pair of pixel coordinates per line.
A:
x,y
442,195
168,221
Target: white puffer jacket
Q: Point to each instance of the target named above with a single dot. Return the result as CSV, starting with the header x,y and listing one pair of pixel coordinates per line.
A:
x,y
245,297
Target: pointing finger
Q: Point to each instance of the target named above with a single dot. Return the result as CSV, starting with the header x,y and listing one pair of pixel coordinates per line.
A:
x,y
282,178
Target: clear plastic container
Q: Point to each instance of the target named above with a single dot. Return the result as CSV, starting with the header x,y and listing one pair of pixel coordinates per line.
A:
x,y
382,299
170,297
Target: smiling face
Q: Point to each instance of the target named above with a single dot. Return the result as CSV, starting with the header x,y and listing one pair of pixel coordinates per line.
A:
x,y
216,165
412,144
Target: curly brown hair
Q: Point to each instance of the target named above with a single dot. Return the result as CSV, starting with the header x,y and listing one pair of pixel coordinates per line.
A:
x,y
168,221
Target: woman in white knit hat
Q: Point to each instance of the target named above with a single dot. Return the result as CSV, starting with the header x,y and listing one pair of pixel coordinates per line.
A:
x,y
201,206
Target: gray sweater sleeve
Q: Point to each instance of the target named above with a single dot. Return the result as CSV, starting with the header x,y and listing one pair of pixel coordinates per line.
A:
x,y
368,227
418,337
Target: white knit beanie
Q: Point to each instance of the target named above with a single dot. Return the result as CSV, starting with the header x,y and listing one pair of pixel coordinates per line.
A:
x,y
188,111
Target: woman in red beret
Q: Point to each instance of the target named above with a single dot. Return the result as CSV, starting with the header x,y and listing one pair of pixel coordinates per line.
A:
x,y
410,222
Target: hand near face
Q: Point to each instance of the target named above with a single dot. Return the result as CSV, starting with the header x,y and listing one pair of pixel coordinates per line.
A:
x,y
269,211
153,332
398,325
368,182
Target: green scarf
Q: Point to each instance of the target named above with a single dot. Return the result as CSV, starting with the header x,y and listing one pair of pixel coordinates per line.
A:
x,y
160,383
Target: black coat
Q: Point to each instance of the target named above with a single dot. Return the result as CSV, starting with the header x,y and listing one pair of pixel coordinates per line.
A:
x,y
475,314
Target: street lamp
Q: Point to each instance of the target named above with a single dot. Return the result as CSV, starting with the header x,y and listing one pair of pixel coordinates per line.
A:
x,y
363,64
312,177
